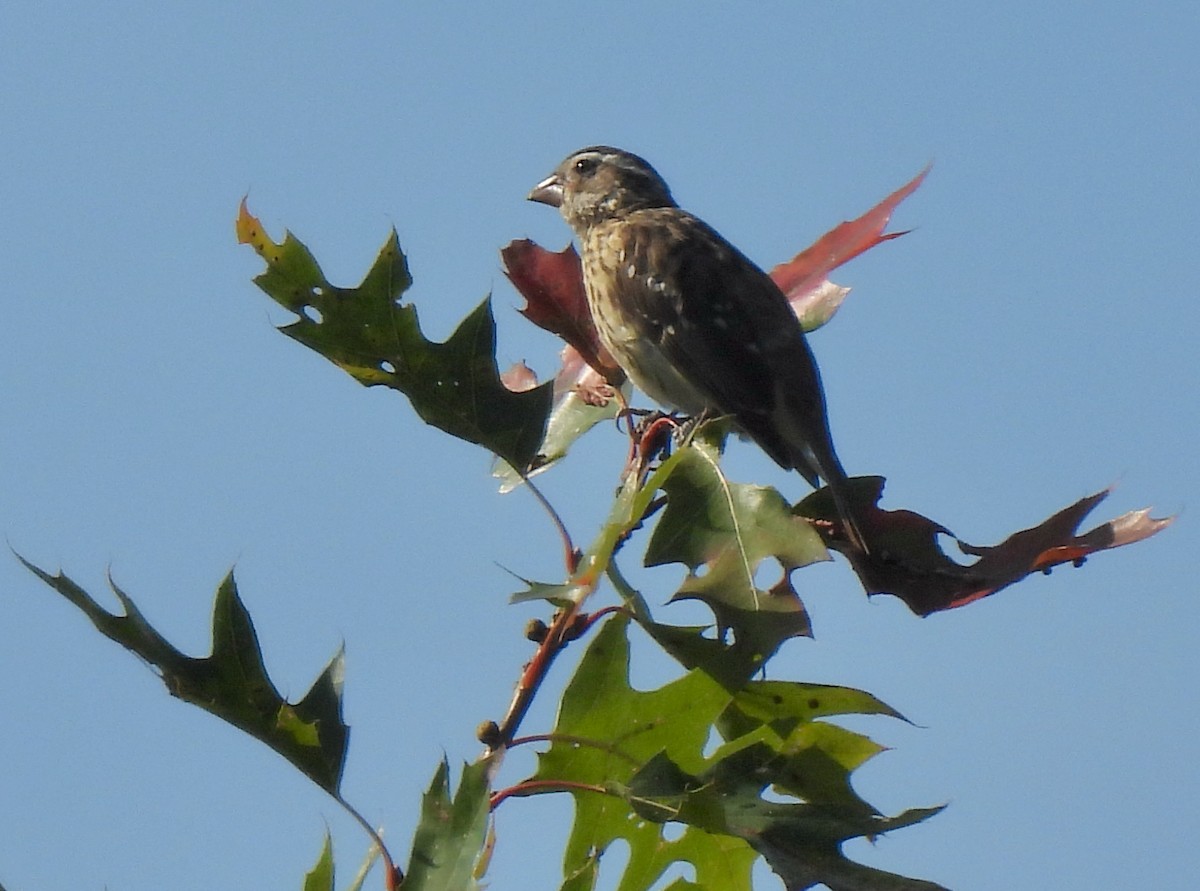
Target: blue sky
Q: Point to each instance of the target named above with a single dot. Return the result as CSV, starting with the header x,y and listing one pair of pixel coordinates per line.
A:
x,y
1032,341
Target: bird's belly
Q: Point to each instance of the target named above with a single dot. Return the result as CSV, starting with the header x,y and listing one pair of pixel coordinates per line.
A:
x,y
645,363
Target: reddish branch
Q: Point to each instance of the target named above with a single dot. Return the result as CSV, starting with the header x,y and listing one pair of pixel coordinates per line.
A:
x,y
563,629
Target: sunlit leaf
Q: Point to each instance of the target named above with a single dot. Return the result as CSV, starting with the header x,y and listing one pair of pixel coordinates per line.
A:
x,y
802,840
634,761
320,877
627,728
450,838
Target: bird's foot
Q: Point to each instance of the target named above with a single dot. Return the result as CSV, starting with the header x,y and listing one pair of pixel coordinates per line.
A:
x,y
686,427
651,434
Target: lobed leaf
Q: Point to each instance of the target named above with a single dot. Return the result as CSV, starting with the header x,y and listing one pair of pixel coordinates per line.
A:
x,y
232,682
723,532
623,729
909,563
366,331
634,761
801,841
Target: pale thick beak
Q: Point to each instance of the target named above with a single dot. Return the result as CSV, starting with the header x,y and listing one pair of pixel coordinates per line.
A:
x,y
548,191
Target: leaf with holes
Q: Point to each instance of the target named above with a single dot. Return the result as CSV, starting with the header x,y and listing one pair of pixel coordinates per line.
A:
x,y
723,532
369,333
634,761
801,840
605,732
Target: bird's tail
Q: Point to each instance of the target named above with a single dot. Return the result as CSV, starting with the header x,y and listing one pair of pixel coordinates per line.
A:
x,y
799,438
849,521
829,469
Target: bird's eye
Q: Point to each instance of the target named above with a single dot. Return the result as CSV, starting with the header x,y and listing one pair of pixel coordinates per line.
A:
x,y
586,166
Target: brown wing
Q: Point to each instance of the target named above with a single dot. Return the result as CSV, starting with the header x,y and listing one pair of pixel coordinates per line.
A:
x,y
723,322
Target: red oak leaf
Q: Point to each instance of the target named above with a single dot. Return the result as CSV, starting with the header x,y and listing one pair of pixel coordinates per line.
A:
x,y
908,562
577,376
804,277
519,378
552,285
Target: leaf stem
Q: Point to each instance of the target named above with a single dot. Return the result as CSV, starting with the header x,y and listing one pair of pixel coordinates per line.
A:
x,y
581,741
570,552
393,875
537,787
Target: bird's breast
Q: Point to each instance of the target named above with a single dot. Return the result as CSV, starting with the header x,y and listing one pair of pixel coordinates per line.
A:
x,y
621,290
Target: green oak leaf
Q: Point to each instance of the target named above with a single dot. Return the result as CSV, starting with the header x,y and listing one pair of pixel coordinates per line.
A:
x,y
723,532
449,841
369,333
801,840
232,682
812,759
320,877
605,731
634,761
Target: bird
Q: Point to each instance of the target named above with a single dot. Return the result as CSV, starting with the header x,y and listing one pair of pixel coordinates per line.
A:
x,y
694,323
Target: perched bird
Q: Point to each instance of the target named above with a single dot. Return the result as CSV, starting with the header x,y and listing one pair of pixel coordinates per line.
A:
x,y
696,325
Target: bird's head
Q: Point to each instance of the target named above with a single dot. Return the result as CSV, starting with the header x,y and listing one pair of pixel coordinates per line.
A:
x,y
600,183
